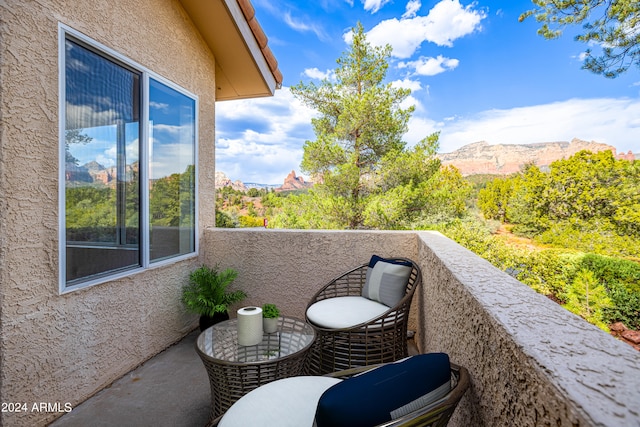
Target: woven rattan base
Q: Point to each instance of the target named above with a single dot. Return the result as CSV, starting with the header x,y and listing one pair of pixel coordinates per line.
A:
x,y
235,370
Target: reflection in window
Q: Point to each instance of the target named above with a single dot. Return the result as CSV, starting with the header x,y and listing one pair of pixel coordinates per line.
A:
x,y
171,172
106,228
102,133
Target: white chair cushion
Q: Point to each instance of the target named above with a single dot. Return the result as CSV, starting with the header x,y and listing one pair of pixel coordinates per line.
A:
x,y
344,312
290,402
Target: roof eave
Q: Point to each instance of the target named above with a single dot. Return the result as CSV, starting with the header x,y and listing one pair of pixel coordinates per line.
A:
x,y
245,66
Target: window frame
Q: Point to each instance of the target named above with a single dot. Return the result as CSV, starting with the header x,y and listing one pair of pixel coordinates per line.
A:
x,y
65,32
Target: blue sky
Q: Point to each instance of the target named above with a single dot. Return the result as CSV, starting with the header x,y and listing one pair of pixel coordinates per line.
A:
x,y
476,74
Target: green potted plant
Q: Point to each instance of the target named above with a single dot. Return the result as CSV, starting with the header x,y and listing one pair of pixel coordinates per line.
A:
x,y
206,294
270,315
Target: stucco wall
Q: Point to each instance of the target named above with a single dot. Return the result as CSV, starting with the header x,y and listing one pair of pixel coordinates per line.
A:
x,y
288,267
532,362
63,348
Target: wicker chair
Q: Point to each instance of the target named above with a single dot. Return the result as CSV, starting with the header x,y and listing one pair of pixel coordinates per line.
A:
x,y
381,339
293,401
435,415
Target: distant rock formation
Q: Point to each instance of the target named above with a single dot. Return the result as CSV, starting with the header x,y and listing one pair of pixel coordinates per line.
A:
x,y
504,159
293,182
94,172
223,181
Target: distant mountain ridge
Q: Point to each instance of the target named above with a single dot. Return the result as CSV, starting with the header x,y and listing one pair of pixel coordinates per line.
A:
x,y
223,181
291,182
503,159
472,159
94,173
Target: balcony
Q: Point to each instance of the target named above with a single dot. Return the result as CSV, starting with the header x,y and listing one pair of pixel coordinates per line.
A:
x,y
531,362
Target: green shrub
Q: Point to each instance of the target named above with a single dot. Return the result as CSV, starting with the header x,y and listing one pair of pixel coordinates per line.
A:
x,y
250,221
621,279
547,271
563,275
588,298
224,220
593,237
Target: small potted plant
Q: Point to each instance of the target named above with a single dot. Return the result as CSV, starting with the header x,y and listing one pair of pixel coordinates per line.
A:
x,y
206,294
270,315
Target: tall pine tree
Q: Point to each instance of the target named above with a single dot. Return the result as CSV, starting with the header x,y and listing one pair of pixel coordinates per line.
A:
x,y
360,121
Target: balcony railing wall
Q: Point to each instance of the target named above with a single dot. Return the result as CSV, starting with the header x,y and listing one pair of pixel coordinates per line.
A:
x,y
531,362
287,267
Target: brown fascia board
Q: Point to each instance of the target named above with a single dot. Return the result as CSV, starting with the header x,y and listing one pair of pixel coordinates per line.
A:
x,y
245,65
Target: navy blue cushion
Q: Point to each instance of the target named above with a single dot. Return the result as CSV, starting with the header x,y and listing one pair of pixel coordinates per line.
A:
x,y
385,393
375,258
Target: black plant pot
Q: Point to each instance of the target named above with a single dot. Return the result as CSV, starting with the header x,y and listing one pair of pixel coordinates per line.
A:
x,y
207,321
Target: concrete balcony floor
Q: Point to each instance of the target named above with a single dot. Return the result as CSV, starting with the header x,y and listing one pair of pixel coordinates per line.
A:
x,y
171,389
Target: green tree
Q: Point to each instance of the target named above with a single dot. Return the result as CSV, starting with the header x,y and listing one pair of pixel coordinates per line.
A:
x,y
410,188
494,197
588,299
360,122
74,136
527,207
584,185
224,220
613,25
627,202
171,199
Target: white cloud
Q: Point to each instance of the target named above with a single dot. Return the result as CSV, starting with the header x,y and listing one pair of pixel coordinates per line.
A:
x,y
269,144
410,101
374,5
267,152
446,22
430,66
414,85
315,73
604,120
301,26
413,6
419,128
162,106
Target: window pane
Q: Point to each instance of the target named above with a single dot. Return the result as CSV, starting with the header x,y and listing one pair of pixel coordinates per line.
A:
x,y
102,191
171,172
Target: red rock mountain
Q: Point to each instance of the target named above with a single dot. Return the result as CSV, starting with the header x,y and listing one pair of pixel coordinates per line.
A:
x,y
293,182
504,159
223,181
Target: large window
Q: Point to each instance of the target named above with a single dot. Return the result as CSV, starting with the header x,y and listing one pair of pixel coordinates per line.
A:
x,y
128,156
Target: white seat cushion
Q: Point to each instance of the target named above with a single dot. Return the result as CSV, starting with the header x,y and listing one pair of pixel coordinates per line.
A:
x,y
344,312
290,402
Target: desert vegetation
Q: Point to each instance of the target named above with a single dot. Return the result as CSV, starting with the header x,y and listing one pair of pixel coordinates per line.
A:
x,y
571,233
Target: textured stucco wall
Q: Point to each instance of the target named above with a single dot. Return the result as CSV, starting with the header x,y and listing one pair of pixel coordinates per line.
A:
x,y
532,362
288,266
63,348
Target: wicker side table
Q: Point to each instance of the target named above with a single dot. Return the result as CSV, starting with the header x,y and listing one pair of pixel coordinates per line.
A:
x,y
235,370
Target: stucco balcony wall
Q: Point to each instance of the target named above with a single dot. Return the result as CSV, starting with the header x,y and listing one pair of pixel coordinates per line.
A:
x,y
532,363
288,267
